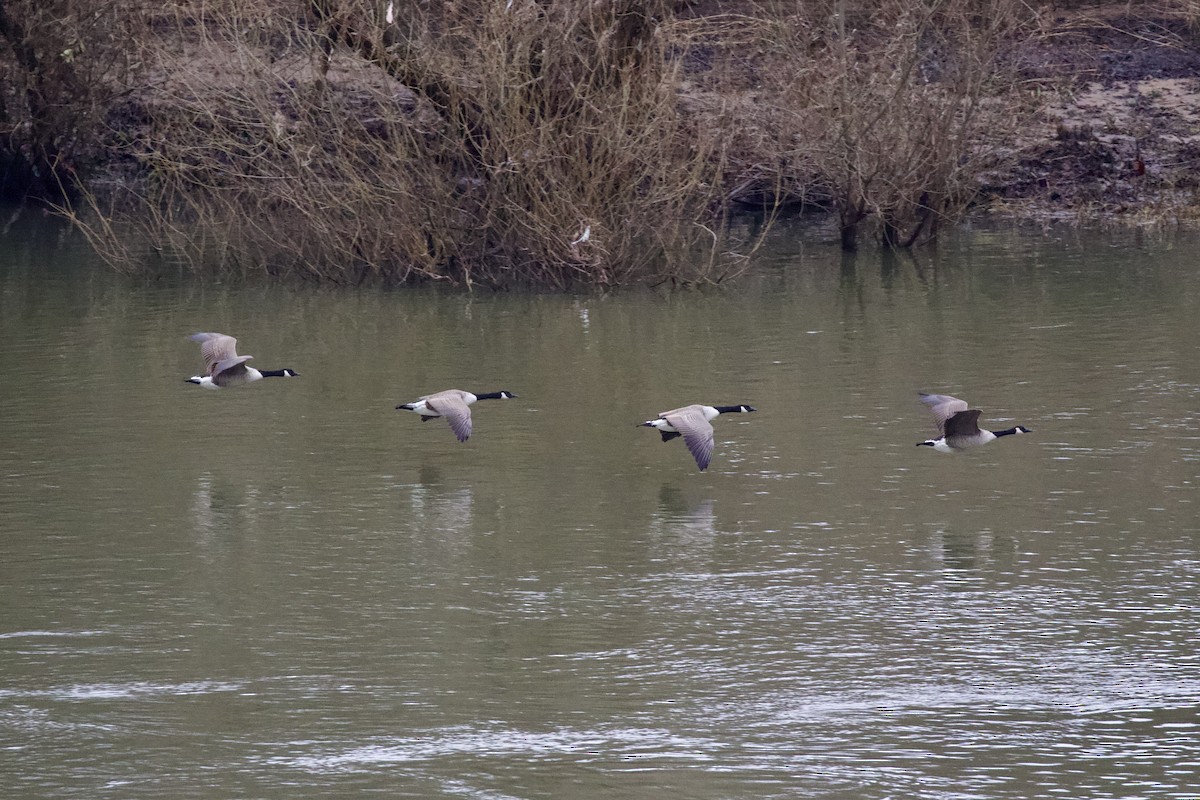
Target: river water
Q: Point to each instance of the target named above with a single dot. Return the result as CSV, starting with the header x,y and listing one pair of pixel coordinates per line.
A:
x,y
293,590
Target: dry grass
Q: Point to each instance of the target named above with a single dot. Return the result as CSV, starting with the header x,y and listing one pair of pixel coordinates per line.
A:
x,y
546,142
533,144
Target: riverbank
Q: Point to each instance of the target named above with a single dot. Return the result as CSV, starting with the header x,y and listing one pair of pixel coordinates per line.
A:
x,y
552,146
1118,138
1114,130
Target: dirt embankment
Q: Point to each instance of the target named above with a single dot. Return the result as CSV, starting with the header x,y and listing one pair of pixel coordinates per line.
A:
x,y
1122,137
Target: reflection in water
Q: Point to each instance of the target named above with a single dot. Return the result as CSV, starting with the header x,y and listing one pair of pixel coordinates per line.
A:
x,y
222,507
687,519
437,507
961,554
585,319
851,287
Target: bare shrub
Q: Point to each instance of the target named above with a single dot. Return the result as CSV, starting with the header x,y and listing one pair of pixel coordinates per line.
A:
x,y
529,142
900,106
61,65
549,142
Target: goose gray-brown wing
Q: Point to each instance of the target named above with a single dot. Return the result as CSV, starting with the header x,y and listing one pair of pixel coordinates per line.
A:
x,y
231,371
216,348
943,407
454,408
696,430
963,424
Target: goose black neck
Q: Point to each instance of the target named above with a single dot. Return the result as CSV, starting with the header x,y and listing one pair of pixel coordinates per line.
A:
x,y
491,395
276,373
1009,431
731,409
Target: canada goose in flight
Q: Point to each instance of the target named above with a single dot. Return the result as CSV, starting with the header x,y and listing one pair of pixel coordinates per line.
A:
x,y
692,423
224,367
454,405
958,425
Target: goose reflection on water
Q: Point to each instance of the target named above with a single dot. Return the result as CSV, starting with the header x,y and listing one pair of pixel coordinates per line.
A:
x,y
688,526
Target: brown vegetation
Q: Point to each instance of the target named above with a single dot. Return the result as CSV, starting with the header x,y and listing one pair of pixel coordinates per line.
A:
x,y
521,145
61,72
1119,135
543,142
899,107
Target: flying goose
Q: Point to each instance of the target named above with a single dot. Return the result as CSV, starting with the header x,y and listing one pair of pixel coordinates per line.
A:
x,y
692,423
224,368
454,405
958,425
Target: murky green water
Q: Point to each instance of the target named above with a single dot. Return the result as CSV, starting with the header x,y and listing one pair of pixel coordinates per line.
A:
x,y
293,590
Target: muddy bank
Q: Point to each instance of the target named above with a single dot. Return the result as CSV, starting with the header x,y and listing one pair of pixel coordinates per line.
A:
x,y
1119,135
